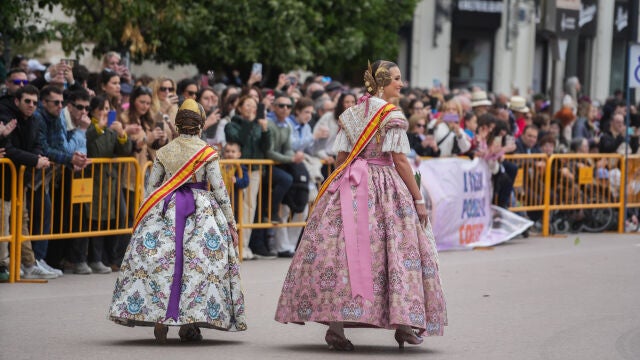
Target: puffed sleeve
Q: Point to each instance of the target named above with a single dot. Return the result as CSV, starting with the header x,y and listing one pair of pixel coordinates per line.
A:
x,y
342,142
214,176
156,177
396,139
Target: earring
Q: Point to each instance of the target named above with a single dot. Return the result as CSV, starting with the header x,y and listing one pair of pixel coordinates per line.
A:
x,y
380,93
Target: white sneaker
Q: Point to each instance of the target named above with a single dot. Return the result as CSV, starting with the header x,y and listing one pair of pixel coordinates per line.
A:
x,y
43,264
247,254
36,272
99,268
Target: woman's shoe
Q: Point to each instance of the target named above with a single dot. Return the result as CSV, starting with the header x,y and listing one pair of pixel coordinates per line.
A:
x,y
408,337
337,342
160,332
189,333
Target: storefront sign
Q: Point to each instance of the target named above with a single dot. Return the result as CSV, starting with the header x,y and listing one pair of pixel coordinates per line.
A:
x,y
588,21
621,20
478,13
567,17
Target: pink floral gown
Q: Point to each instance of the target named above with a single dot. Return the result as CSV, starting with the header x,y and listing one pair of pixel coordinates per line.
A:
x,y
404,261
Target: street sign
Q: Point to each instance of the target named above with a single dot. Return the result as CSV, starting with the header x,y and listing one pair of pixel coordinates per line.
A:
x,y
634,65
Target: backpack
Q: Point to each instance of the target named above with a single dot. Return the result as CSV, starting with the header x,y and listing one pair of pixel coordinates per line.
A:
x,y
297,197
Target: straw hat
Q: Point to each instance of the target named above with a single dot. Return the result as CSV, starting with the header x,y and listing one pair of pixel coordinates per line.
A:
x,y
518,104
479,98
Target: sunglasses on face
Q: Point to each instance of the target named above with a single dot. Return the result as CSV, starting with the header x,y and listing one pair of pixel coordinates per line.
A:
x,y
29,101
20,82
55,102
420,125
192,93
282,106
81,107
164,89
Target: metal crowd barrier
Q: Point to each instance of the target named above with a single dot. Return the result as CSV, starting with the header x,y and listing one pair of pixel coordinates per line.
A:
x,y
91,202
585,184
560,183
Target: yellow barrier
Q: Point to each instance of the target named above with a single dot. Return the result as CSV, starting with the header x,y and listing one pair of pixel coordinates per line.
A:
x,y
80,204
578,182
559,183
529,182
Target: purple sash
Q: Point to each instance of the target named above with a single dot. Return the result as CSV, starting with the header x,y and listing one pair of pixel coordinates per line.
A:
x,y
185,206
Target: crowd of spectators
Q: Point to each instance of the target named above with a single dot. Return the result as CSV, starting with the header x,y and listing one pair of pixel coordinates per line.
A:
x,y
63,115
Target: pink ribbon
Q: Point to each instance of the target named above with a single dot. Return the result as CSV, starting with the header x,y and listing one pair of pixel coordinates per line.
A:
x,y
356,230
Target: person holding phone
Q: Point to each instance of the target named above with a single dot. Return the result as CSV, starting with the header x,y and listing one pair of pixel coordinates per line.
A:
x,y
104,140
449,136
252,132
164,101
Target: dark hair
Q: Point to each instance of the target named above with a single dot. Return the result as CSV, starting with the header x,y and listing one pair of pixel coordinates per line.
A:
x,y
234,143
16,60
78,94
15,71
486,119
548,138
47,90
227,106
204,90
530,127
340,105
97,102
302,103
146,120
575,143
247,91
183,84
80,73
27,89
105,76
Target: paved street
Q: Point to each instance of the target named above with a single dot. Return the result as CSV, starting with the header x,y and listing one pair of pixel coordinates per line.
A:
x,y
536,298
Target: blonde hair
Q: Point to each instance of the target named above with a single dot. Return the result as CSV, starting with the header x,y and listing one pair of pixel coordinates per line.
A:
x,y
377,76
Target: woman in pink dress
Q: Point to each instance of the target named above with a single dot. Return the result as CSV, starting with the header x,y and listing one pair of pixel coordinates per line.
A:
x,y
367,257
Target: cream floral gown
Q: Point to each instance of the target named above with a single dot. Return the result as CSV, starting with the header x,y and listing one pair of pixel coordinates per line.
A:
x,y
210,294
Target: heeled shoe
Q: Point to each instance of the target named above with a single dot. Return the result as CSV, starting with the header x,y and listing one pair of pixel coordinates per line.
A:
x,y
189,333
337,342
160,332
408,337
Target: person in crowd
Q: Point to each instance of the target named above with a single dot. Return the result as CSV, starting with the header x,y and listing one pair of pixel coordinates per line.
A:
x,y
613,140
278,185
164,101
327,127
90,255
23,148
555,129
53,139
354,273
449,136
480,102
109,84
112,61
420,141
572,88
527,143
470,124
187,89
567,119
585,126
252,133
209,100
520,110
228,110
16,78
27,251
236,177
191,227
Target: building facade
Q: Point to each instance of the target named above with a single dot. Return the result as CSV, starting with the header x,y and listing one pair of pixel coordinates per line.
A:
x,y
521,46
